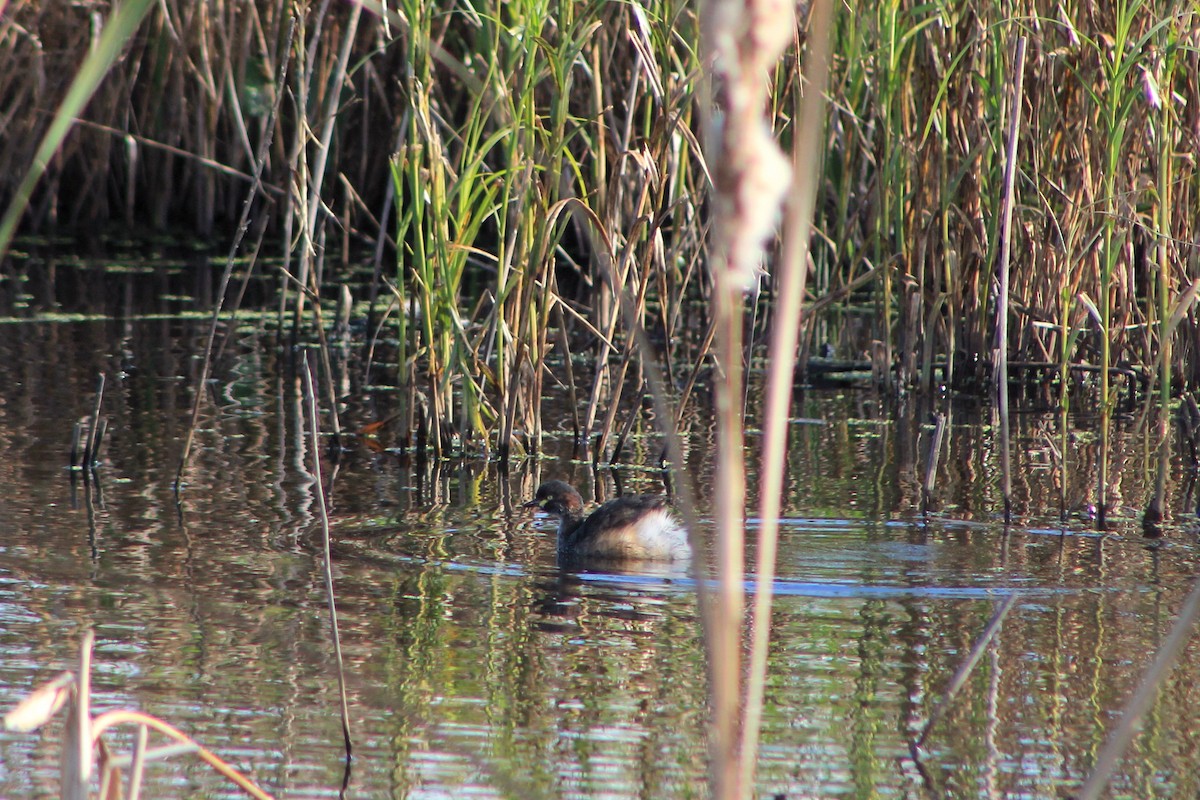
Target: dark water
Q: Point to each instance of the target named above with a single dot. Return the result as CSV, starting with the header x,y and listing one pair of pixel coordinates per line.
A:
x,y
475,668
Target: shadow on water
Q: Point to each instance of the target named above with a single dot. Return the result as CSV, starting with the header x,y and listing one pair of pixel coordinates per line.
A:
x,y
476,666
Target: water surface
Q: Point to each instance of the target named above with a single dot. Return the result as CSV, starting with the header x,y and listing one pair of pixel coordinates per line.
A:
x,y
475,667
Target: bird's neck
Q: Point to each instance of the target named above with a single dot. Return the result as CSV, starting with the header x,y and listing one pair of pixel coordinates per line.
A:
x,y
568,526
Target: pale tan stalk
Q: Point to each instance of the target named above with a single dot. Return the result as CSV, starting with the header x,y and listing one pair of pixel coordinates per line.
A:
x,y
77,741
743,41
792,274
725,635
316,177
1001,359
127,716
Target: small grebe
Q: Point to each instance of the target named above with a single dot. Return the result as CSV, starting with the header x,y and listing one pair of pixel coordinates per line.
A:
x,y
630,527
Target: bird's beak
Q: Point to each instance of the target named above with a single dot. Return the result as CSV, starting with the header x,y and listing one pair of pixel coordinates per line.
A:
x,y
532,504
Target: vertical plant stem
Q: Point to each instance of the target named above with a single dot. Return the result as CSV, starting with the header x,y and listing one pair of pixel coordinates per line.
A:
x,y
139,763
1157,510
1064,396
76,768
89,451
316,176
310,399
730,500
785,334
1116,67
614,401
564,342
1010,174
931,463
753,178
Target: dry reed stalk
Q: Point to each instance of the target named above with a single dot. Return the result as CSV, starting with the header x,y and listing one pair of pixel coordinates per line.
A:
x,y
792,274
135,141
137,768
511,357
609,312
550,298
95,427
1006,208
630,420
76,762
743,42
931,462
83,734
614,401
315,177
565,345
126,716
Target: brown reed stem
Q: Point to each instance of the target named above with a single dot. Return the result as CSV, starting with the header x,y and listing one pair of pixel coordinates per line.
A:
x,y
327,369
310,399
701,356
931,463
178,152
89,450
725,635
139,763
128,716
630,421
614,400
76,769
564,342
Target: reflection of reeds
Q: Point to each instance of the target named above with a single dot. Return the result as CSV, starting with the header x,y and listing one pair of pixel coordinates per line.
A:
x,y
243,225
1136,708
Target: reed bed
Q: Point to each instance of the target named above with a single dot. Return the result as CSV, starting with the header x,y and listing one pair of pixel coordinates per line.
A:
x,y
525,161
